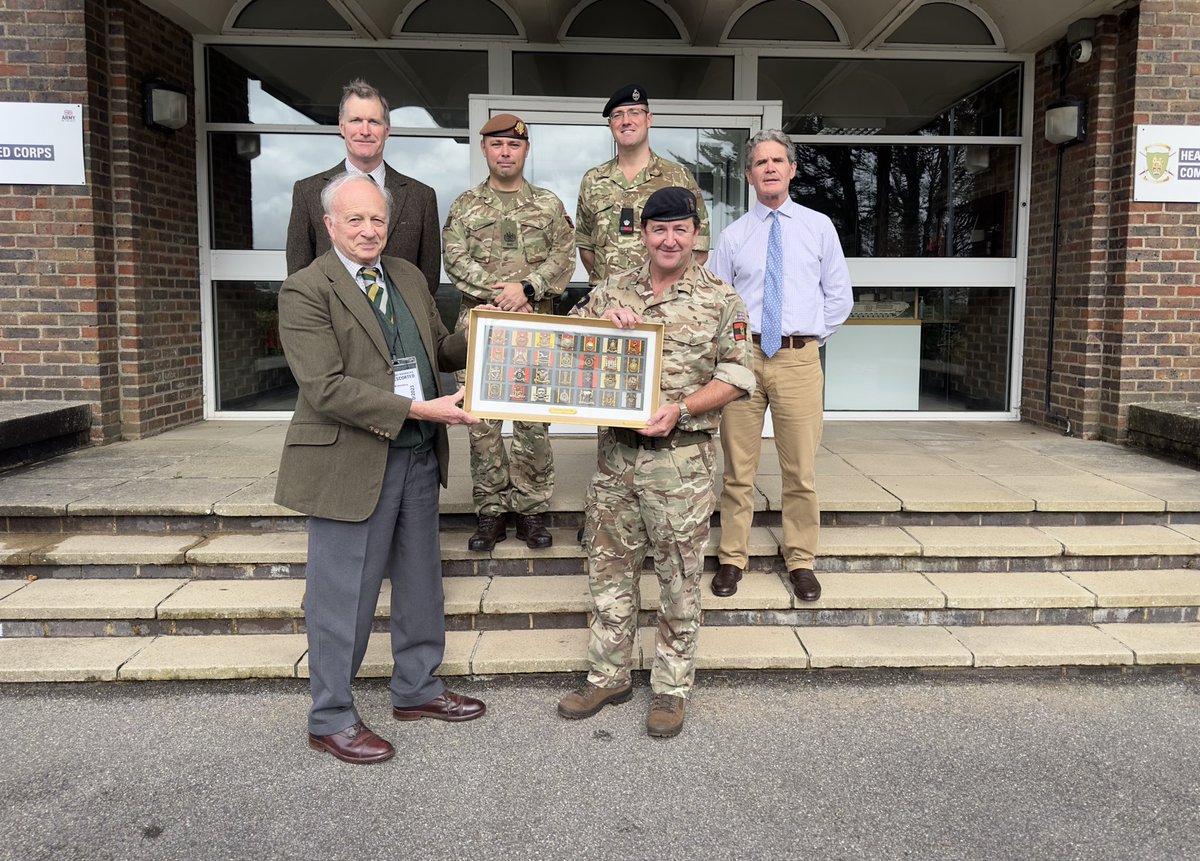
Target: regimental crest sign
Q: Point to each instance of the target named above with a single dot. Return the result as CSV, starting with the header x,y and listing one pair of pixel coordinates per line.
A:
x,y
1167,164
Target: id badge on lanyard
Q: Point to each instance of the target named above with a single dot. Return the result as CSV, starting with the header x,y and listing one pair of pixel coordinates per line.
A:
x,y
406,379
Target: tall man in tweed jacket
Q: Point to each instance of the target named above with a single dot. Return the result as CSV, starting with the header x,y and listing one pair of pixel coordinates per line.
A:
x,y
363,457
412,233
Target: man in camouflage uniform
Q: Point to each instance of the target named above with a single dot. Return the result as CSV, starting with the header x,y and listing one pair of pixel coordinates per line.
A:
x,y
508,243
653,487
612,195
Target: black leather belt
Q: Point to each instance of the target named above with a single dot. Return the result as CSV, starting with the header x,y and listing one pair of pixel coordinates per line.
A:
x,y
793,341
676,438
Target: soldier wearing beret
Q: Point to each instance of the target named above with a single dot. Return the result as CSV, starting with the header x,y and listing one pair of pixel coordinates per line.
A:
x,y
612,195
653,487
508,243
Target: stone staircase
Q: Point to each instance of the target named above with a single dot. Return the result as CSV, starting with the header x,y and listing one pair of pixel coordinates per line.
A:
x,y
164,600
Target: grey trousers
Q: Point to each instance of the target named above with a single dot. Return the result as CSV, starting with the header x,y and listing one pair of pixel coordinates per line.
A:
x,y
346,566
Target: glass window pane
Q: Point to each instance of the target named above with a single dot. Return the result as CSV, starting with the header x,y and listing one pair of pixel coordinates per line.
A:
x,y
665,76
942,24
778,20
895,97
912,201
303,84
474,17
252,373
290,15
253,175
623,19
928,349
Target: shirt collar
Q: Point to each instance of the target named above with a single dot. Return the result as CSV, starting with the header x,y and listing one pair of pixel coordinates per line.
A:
x,y
787,209
379,174
353,267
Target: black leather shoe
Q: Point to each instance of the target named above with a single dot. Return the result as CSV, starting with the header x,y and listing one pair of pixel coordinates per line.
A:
x,y
805,583
531,529
446,706
490,531
356,745
725,581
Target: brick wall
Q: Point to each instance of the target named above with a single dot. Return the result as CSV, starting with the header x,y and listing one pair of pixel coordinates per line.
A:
x,y
100,282
1128,303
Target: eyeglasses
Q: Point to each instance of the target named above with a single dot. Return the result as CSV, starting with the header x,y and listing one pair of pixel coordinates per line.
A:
x,y
632,113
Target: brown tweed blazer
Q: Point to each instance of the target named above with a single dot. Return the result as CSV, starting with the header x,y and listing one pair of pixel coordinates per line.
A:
x,y
336,448
413,230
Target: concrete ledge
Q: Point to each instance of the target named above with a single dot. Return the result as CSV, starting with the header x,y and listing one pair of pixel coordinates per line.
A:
x,y
1042,646
116,550
463,595
1170,428
1152,588
226,656
234,599
17,548
867,541
976,541
36,430
861,646
65,659
538,594
736,647
1010,590
551,650
88,599
377,663
873,591
1122,541
1159,644
268,548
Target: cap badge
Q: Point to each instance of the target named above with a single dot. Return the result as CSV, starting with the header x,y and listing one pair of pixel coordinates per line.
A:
x,y
636,94
519,128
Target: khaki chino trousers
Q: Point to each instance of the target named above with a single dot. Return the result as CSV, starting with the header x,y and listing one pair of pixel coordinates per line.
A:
x,y
792,383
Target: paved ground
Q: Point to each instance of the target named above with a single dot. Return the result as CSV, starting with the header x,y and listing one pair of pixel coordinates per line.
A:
x,y
854,766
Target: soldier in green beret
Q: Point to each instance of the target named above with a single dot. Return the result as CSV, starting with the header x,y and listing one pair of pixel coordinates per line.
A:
x,y
508,243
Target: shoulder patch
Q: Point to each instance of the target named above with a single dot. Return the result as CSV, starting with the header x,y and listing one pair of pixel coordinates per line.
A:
x,y
739,329
570,223
583,300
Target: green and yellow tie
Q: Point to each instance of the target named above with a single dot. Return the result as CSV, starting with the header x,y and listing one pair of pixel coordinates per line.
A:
x,y
375,290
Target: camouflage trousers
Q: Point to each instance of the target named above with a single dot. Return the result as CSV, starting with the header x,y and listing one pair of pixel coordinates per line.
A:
x,y
639,502
522,482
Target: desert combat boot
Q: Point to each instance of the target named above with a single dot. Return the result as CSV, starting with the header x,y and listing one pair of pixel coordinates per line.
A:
x,y
588,699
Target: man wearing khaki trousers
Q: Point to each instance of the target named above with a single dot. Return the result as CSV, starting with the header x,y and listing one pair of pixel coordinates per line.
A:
x,y
786,263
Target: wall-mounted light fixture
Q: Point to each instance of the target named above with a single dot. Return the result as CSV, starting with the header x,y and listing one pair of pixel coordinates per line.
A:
x,y
977,158
163,105
1065,121
248,145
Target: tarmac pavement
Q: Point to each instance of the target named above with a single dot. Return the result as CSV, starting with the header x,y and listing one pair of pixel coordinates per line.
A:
x,y
841,765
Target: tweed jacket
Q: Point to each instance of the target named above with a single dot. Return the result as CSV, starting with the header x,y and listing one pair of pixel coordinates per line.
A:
x,y
336,447
414,233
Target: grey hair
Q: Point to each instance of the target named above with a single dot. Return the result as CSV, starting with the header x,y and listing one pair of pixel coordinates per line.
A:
x,y
334,185
770,136
359,87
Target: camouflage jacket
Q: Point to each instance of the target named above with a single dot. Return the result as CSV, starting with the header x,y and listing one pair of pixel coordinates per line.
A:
x,y
604,192
477,254
706,331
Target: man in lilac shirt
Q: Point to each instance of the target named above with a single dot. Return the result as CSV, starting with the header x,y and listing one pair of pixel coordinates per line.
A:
x,y
786,263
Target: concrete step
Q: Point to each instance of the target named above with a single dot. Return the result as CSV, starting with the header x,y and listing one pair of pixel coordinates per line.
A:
x,y
562,651
196,555
154,607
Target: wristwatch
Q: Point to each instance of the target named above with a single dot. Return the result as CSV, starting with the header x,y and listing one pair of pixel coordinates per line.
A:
x,y
684,412
529,294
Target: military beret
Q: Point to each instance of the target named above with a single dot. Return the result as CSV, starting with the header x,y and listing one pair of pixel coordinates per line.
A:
x,y
630,94
505,126
670,204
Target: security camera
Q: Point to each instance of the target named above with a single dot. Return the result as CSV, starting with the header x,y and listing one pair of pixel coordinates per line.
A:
x,y
1081,51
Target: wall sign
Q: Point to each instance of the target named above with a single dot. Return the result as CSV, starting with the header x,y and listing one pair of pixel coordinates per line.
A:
x,y
41,144
1167,164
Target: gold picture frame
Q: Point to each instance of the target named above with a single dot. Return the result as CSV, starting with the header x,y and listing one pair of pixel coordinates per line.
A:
x,y
545,368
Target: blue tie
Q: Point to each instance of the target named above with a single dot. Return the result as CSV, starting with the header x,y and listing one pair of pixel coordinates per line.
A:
x,y
773,291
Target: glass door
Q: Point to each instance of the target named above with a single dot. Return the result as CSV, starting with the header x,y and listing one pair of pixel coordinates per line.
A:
x,y
569,136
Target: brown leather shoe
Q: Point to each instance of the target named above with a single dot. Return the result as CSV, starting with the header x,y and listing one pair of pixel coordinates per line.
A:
x,y
805,583
446,706
666,715
356,745
490,531
588,699
531,528
725,581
